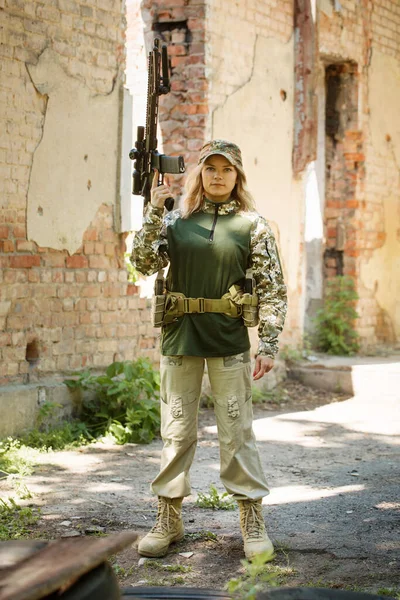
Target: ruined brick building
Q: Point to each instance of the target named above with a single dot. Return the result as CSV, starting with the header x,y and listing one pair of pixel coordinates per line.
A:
x,y
309,89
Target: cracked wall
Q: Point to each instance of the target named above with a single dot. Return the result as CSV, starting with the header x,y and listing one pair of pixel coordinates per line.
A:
x,y
259,118
380,271
65,299
366,33
74,167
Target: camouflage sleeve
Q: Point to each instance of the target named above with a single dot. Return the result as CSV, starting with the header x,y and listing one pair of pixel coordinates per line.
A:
x,y
149,251
270,286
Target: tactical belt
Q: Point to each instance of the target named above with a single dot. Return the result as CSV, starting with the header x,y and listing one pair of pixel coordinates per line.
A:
x,y
231,304
183,305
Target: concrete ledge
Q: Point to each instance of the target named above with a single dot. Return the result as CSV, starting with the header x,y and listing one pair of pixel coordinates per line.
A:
x,y
335,380
20,405
356,375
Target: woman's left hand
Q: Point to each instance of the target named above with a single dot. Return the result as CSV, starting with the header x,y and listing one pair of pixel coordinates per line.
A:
x,y
263,365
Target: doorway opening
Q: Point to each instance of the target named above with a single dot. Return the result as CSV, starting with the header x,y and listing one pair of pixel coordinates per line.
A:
x,y
343,159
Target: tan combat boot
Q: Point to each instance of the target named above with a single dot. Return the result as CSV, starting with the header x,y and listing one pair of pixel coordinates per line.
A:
x,y
168,528
256,540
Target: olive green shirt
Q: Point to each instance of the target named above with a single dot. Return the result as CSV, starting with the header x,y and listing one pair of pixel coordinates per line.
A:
x,y
207,253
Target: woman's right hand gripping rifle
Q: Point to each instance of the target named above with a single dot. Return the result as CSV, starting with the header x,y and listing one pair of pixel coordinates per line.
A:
x,y
159,193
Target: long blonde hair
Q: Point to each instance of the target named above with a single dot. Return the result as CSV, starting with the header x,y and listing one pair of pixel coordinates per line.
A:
x,y
194,197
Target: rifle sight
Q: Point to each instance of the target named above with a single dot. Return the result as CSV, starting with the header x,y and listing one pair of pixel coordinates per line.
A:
x,y
145,154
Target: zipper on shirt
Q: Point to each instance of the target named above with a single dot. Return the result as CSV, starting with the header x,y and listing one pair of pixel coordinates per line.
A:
x,y
270,259
211,238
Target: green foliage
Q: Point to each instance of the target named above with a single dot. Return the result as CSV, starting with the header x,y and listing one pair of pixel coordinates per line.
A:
x,y
132,273
70,434
46,412
153,564
257,576
335,333
215,500
15,458
206,401
298,352
202,535
277,395
122,403
15,521
392,592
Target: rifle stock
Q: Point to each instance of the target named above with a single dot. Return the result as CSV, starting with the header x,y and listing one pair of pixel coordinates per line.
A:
x,y
145,154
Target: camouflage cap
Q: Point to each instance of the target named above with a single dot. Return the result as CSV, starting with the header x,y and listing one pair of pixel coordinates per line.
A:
x,y
227,149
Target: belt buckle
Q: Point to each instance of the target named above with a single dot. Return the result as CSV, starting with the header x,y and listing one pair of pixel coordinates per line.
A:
x,y
186,305
202,305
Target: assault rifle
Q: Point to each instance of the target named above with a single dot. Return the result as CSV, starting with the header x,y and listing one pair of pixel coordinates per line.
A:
x,y
145,153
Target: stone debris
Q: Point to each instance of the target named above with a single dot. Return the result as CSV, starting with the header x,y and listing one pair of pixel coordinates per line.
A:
x,y
72,533
94,529
186,554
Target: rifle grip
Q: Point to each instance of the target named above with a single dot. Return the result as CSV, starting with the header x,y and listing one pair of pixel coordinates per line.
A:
x,y
169,203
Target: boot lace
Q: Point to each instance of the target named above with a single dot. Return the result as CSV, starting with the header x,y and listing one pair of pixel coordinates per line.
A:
x,y
167,514
252,521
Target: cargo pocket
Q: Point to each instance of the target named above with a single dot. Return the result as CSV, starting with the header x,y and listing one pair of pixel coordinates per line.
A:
x,y
176,407
172,361
233,407
180,407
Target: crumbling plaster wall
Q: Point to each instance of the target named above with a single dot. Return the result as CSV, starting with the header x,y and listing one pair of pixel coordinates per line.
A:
x,y
250,66
64,290
367,33
380,274
74,168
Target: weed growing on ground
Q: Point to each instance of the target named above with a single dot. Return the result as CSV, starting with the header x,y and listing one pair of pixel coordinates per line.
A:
x,y
202,535
335,330
15,521
70,434
321,583
15,458
22,490
215,500
118,570
278,395
206,401
123,401
296,353
121,571
153,565
157,566
392,592
257,576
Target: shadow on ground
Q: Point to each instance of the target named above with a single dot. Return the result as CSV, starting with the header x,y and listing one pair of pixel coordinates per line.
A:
x,y
333,511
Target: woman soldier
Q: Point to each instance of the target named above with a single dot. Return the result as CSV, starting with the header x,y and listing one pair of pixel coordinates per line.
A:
x,y
210,244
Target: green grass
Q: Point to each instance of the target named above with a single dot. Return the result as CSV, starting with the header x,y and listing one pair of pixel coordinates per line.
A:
x,y
391,592
215,500
16,521
258,575
277,395
320,583
202,535
156,566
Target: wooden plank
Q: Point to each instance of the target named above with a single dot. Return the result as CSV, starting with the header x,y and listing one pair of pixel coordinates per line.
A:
x,y
14,551
59,565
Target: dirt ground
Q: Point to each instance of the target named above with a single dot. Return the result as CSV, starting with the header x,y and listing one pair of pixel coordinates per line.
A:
x,y
333,513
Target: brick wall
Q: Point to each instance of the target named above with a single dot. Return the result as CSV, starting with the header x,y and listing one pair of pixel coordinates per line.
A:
x,y
62,312
352,34
184,111
232,29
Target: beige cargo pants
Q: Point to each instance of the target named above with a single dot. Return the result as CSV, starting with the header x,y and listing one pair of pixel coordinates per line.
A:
x,y
230,378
